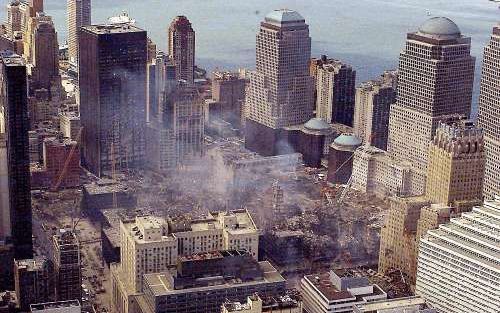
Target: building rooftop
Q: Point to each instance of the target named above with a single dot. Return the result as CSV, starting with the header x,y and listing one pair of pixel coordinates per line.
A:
x,y
10,58
348,140
441,27
54,305
113,28
317,124
104,186
30,265
326,287
282,16
392,304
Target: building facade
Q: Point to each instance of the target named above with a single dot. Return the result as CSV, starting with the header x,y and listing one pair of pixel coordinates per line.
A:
x,y
337,291
372,109
67,266
281,91
181,48
45,55
212,279
489,113
228,92
79,14
34,282
335,87
112,79
15,125
458,264
455,169
436,74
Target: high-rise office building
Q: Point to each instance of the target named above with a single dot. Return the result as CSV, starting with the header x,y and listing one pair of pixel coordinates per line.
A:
x,y
228,92
15,124
281,91
458,264
436,74
36,6
79,14
44,54
374,99
181,48
15,18
112,77
489,113
336,90
67,266
456,164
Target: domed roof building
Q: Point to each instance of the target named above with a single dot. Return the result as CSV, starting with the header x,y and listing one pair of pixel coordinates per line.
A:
x,y
317,126
441,27
347,142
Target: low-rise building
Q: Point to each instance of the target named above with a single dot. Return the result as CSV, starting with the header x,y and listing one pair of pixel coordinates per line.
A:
x,y
376,172
203,282
256,304
414,304
337,291
70,306
106,194
152,245
70,125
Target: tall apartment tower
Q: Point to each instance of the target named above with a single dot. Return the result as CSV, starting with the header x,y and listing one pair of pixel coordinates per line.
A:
x,y
458,270
281,91
15,124
67,266
79,14
336,90
489,113
374,99
112,76
181,48
45,54
456,164
436,74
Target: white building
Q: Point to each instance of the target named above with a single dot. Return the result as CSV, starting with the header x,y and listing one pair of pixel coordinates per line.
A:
x,y
255,304
152,245
79,14
337,292
459,263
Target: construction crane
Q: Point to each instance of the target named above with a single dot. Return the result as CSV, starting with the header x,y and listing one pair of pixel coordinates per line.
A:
x,y
61,176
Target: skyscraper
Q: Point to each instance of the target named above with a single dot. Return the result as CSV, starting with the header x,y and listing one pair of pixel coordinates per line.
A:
x,y
67,266
436,73
14,110
228,91
456,165
44,54
489,113
79,14
281,91
112,76
336,90
181,48
458,264
374,99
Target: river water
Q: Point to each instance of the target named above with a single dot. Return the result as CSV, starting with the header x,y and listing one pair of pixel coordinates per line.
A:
x,y
368,34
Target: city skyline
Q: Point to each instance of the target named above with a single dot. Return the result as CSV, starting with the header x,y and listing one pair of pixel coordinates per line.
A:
x,y
136,179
